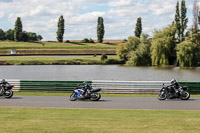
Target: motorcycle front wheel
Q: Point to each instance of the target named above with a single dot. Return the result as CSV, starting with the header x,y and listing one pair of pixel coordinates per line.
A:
x,y
185,95
73,97
162,96
9,94
95,96
2,90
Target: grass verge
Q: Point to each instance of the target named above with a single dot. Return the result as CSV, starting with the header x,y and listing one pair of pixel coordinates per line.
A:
x,y
34,120
76,60
5,45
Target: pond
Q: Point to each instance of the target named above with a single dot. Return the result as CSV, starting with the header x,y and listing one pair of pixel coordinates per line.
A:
x,y
98,72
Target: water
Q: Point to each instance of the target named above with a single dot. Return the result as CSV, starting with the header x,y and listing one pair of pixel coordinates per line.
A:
x,y
98,72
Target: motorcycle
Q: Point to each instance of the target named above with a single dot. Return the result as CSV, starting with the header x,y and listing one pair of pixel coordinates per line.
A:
x,y
85,92
6,89
168,92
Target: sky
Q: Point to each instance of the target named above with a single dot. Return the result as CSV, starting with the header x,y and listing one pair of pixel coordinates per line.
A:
x,y
120,16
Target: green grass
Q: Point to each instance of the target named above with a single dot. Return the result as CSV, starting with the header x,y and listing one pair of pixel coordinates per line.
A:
x,y
4,45
34,120
51,61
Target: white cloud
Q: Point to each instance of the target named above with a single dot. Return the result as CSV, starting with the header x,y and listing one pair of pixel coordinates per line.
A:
x,y
120,3
1,14
86,18
41,16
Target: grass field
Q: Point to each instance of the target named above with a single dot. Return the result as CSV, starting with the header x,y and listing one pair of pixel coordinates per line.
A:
x,y
35,120
52,60
54,45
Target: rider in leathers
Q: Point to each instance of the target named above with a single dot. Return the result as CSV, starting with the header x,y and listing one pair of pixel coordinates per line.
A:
x,y
174,85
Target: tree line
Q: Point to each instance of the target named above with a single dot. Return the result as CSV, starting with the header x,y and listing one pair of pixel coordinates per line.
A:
x,y
173,45
17,34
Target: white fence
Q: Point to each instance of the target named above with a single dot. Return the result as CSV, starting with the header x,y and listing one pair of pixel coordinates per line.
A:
x,y
134,87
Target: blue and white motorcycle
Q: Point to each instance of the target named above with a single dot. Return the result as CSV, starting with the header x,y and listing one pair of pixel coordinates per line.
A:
x,y
85,92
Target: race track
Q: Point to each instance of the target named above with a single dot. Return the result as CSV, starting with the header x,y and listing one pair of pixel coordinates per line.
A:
x,y
135,103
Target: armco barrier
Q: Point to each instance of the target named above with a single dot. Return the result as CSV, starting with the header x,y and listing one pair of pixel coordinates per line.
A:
x,y
194,87
134,87
49,86
16,84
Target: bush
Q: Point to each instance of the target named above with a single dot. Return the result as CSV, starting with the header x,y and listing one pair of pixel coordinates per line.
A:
x,y
86,40
125,40
67,41
91,40
104,57
114,61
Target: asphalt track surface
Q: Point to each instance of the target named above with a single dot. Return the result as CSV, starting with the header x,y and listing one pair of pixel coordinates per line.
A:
x,y
130,103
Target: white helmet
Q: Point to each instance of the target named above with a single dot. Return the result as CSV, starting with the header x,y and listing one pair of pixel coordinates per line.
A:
x,y
173,81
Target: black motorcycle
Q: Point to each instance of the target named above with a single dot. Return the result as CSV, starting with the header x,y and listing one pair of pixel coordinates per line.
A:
x,y
6,89
168,92
85,92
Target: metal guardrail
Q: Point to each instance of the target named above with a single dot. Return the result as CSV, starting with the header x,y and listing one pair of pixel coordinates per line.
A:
x,y
134,87
16,84
49,86
194,87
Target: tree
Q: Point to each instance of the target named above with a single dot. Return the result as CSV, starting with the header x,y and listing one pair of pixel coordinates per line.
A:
x,y
138,28
18,30
39,37
195,26
2,35
177,22
141,56
123,50
184,19
10,34
133,43
100,30
61,29
181,21
187,54
163,46
136,52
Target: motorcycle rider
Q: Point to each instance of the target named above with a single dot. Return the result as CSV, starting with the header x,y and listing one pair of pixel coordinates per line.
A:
x,y
175,85
84,89
4,84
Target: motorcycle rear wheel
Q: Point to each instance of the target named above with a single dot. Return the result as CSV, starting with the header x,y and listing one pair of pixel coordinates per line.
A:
x,y
95,96
162,96
9,94
185,95
73,97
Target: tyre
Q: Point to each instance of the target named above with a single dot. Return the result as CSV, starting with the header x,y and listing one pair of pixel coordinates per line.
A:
x,y
73,97
9,94
95,96
162,96
2,90
185,95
